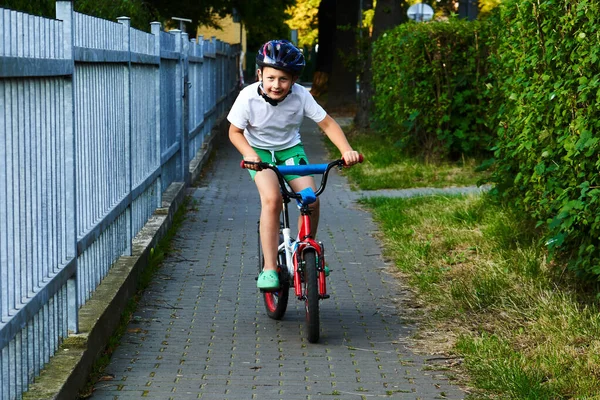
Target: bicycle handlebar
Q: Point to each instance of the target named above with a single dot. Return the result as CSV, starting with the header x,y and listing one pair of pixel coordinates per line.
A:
x,y
309,169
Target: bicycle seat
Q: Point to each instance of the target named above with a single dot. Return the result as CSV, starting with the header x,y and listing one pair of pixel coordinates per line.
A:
x,y
308,196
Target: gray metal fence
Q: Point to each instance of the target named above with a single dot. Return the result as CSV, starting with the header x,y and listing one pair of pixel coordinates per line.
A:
x,y
96,121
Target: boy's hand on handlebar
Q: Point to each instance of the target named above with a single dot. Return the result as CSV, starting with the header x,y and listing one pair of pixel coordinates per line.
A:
x,y
251,162
351,158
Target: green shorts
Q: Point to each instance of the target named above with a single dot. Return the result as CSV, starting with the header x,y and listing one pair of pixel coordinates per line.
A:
x,y
293,156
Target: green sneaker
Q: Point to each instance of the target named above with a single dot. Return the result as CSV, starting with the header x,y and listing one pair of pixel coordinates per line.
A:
x,y
268,280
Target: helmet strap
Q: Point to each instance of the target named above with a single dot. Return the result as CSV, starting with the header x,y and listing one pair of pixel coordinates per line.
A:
x,y
261,92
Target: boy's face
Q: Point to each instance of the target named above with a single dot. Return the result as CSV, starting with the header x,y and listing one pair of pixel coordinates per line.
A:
x,y
276,83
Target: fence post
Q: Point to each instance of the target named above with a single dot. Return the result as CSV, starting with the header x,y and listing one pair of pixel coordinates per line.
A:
x,y
222,66
214,75
64,12
201,85
185,49
126,23
193,96
155,30
179,101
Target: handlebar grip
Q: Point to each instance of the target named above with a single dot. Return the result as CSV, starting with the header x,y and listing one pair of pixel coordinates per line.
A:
x,y
245,164
361,158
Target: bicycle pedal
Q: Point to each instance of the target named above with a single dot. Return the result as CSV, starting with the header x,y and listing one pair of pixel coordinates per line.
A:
x,y
325,296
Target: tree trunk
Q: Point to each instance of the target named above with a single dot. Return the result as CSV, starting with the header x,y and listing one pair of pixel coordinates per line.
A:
x,y
342,82
388,14
468,9
362,116
326,16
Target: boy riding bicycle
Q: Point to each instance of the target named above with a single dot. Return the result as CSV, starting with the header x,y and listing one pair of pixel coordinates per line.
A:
x,y
265,126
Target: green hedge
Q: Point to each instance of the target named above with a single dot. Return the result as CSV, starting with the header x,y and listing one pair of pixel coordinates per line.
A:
x,y
530,75
547,152
431,87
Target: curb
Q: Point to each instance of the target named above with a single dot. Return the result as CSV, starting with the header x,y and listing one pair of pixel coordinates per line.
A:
x,y
68,370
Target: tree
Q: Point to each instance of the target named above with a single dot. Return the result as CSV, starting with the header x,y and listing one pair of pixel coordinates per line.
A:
x,y
141,15
326,22
45,8
342,82
388,14
463,8
137,10
303,17
264,19
362,116
486,6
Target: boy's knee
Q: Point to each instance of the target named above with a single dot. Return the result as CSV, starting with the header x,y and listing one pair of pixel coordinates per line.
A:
x,y
272,203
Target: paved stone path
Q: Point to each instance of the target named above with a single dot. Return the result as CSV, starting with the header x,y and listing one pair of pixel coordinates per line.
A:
x,y
201,330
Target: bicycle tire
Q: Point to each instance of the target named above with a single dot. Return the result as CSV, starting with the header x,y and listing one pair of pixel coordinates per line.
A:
x,y
311,296
276,301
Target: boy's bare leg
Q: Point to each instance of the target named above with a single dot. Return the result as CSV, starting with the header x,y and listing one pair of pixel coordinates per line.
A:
x,y
302,183
271,205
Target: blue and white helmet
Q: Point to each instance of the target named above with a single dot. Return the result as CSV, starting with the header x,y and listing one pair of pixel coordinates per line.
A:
x,y
281,54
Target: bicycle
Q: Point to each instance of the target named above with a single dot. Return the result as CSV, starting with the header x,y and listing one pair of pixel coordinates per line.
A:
x,y
301,261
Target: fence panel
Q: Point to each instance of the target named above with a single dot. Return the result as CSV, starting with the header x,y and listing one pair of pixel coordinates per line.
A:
x,y
95,33
145,128
145,141
103,165
37,218
171,77
170,125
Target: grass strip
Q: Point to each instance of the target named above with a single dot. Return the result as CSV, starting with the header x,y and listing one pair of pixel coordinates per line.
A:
x,y
387,167
524,327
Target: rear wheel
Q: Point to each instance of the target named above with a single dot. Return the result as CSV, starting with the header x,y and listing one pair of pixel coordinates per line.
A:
x,y
311,296
276,301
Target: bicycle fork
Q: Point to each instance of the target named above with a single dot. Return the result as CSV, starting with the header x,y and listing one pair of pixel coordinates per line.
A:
x,y
294,253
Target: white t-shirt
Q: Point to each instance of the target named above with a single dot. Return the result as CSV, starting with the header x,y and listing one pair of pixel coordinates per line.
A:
x,y
274,127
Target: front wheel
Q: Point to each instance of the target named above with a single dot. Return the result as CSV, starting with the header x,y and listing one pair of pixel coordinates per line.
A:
x,y
311,296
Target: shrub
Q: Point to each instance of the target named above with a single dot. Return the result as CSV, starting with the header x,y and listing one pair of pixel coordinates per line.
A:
x,y
431,87
547,153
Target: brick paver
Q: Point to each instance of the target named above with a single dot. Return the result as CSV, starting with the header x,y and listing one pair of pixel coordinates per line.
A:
x,y
201,330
